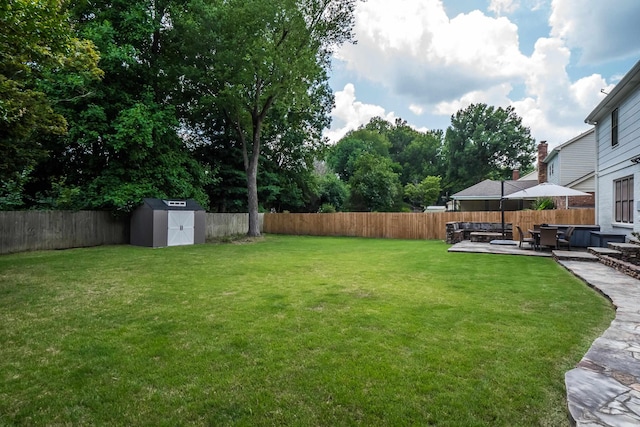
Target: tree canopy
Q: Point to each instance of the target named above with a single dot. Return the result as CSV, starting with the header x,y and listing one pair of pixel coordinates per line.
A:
x,y
375,186
484,142
106,102
269,58
36,41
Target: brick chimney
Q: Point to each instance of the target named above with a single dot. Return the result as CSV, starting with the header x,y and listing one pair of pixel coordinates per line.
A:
x,y
515,175
542,167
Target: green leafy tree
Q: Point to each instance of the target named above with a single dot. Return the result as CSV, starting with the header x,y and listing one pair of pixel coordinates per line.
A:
x,y
484,142
424,193
343,156
124,140
375,186
418,153
36,41
333,191
291,141
248,57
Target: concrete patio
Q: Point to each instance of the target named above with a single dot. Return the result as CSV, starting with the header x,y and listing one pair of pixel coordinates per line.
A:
x,y
604,388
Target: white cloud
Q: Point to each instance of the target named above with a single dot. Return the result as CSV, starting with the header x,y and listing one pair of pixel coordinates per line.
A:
x,y
414,49
496,95
555,107
502,7
601,30
349,114
416,109
537,5
438,65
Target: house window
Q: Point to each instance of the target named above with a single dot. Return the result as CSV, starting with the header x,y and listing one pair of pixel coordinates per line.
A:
x,y
614,128
624,200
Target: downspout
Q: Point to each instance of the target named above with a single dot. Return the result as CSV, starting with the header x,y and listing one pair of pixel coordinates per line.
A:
x,y
502,208
597,177
597,169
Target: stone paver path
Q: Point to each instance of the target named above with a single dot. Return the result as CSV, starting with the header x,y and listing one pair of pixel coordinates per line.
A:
x,y
604,389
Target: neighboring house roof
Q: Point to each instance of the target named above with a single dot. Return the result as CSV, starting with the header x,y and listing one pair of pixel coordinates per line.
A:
x,y
560,147
533,175
491,190
627,85
581,179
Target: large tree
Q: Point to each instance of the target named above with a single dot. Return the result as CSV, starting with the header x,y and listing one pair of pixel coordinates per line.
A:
x,y
37,40
484,142
375,185
124,140
342,157
247,58
417,152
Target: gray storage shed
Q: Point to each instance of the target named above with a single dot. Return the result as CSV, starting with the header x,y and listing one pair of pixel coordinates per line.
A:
x,y
159,223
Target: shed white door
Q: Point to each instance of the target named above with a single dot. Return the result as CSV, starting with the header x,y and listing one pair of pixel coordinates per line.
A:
x,y
181,226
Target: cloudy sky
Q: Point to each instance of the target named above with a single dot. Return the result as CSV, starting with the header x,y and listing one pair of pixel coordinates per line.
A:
x,y
423,60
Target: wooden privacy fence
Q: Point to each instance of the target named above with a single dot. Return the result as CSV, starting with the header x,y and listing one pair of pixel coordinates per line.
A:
x,y
44,230
410,225
228,224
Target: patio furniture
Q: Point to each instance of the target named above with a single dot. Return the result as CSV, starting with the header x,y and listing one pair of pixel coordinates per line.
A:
x,y
602,238
565,240
457,231
548,237
535,233
581,237
530,240
484,236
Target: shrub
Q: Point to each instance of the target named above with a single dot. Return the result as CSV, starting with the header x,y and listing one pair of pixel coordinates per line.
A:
x,y
543,203
327,208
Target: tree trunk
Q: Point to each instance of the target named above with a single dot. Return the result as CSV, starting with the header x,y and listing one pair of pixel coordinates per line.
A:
x,y
251,167
251,158
252,189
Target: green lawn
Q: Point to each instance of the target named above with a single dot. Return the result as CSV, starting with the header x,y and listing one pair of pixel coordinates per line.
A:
x,y
290,331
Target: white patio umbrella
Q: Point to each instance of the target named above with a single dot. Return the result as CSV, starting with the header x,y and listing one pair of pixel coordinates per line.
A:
x,y
546,189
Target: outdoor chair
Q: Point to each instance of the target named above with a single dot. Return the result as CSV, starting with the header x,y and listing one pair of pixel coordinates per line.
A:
x,y
530,240
548,236
566,239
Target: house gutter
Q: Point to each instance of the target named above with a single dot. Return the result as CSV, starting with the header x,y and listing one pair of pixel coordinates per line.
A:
x,y
621,90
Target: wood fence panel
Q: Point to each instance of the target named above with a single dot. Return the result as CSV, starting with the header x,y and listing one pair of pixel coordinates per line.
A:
x,y
228,224
45,230
410,225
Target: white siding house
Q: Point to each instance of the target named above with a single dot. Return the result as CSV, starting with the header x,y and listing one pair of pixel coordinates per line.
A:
x,y
617,130
573,163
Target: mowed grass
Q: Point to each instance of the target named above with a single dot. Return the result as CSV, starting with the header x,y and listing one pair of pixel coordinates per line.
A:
x,y
299,331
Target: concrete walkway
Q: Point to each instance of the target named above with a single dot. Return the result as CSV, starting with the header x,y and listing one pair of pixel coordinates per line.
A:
x,y
604,389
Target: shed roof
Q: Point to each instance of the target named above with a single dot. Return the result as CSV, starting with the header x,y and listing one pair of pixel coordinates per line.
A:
x,y
491,190
172,204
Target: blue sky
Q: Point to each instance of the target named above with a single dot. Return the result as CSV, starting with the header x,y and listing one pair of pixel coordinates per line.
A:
x,y
423,60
